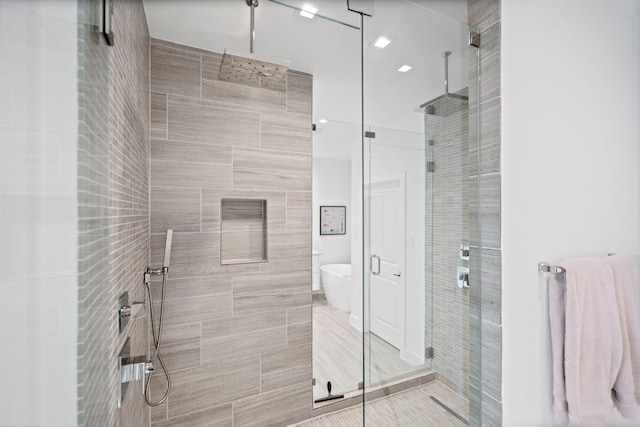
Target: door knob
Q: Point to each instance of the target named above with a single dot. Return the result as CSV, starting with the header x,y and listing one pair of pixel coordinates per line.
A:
x,y
396,274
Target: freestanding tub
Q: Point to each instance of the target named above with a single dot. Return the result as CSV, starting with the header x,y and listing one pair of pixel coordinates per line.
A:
x,y
336,281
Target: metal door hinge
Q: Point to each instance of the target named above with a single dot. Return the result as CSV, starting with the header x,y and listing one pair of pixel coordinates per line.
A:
x,y
474,39
428,353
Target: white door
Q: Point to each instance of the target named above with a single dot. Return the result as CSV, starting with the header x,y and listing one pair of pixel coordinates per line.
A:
x,y
387,289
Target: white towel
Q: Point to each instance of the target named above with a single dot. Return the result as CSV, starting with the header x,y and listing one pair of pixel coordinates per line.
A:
x,y
586,341
627,386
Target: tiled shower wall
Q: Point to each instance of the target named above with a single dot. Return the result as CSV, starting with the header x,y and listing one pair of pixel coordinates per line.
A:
x,y
113,213
447,227
237,338
485,178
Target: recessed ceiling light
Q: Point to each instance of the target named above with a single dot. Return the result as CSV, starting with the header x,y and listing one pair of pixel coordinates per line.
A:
x,y
323,121
404,68
308,11
382,42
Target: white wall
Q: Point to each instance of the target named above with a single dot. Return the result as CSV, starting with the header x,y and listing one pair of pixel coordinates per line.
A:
x,y
332,187
38,205
570,167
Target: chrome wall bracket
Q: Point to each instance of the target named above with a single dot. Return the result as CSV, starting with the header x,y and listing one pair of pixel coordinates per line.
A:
x,y
474,39
128,311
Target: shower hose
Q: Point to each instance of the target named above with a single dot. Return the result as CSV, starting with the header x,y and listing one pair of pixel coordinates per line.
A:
x,y
156,341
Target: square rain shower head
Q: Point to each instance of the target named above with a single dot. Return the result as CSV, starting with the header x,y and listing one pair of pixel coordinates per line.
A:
x,y
251,70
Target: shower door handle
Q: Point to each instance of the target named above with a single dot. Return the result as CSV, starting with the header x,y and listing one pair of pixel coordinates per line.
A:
x,y
375,273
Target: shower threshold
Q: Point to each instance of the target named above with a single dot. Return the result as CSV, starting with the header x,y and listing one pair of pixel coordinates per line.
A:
x,y
376,391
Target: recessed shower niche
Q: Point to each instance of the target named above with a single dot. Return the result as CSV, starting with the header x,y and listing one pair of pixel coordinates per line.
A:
x,y
243,228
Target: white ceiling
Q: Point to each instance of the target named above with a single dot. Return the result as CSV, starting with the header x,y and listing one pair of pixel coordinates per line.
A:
x,y
420,31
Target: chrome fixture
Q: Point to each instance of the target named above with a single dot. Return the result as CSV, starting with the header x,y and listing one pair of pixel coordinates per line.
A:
x,y
474,39
462,277
131,369
446,55
376,257
464,252
164,271
250,69
127,311
448,103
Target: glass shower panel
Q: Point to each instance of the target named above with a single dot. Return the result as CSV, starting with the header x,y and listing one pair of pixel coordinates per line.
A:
x,y
419,221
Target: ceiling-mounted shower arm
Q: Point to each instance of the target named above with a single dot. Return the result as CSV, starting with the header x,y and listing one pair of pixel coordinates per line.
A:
x,y
252,4
445,55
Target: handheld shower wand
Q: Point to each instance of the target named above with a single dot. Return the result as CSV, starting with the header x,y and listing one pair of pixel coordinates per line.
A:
x,y
164,271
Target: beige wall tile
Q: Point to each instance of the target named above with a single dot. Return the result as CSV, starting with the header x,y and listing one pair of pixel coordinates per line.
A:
x,y
253,293
195,120
192,254
180,345
285,139
299,92
286,120
172,45
298,334
299,210
175,71
176,151
247,96
214,384
158,125
238,325
282,368
219,416
211,65
288,245
274,408
298,315
249,343
241,143
271,170
189,310
175,208
188,287
195,175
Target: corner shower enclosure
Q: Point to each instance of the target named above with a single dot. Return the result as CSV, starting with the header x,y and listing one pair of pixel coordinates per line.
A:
x,y
417,212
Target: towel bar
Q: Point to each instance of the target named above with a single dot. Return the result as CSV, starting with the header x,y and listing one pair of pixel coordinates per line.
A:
x,y
543,267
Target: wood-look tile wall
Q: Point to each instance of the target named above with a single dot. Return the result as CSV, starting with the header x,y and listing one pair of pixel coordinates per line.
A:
x,y
237,338
485,292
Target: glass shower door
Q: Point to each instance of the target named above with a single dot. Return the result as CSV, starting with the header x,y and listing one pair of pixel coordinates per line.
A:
x,y
419,309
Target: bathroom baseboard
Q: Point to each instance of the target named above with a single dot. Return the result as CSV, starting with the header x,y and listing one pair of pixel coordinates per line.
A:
x,y
411,358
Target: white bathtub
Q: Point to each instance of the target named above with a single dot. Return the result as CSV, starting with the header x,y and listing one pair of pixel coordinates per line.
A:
x,y
336,282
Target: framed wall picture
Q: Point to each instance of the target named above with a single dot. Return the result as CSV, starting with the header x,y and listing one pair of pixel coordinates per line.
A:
x,y
333,220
